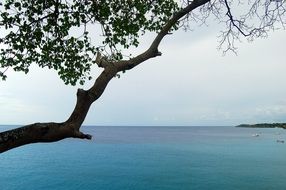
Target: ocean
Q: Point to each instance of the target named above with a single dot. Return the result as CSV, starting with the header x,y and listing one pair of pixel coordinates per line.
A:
x,y
147,158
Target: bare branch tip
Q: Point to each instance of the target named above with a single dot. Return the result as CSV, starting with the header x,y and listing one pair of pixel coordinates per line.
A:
x,y
83,136
88,136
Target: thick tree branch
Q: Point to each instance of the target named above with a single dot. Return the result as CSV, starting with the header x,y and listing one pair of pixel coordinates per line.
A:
x,y
152,51
51,132
38,132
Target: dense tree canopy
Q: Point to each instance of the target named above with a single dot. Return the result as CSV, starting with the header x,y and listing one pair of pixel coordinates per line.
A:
x,y
56,34
41,32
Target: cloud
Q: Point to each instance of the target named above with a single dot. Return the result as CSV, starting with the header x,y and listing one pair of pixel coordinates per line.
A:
x,y
191,84
271,111
14,110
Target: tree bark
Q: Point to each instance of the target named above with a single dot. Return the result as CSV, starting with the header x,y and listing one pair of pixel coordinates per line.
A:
x,y
51,132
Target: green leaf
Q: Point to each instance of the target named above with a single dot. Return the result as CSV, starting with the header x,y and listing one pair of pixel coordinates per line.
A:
x,y
43,32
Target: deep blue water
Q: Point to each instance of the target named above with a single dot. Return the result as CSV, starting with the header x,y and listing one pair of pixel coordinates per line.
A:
x,y
144,158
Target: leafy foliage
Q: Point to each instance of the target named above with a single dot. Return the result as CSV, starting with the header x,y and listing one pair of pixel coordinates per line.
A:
x,y
40,32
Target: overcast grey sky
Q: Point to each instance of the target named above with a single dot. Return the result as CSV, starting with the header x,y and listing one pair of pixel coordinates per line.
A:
x,y
191,84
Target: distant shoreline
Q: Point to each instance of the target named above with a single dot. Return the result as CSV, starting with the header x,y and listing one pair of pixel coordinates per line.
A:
x,y
264,125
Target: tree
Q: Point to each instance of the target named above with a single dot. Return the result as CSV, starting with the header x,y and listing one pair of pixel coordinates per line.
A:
x,y
41,32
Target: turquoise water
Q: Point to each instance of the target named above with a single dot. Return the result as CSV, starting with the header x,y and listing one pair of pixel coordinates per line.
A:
x,y
144,158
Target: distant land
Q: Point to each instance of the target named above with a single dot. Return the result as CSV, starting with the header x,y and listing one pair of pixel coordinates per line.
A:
x,y
264,125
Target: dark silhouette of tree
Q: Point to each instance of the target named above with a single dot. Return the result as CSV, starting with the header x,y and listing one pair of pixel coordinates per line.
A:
x,y
55,34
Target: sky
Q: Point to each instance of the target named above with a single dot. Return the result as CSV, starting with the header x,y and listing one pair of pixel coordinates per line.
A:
x,y
191,84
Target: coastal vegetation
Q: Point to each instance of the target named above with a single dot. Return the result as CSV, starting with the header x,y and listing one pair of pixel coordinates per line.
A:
x,y
59,35
264,125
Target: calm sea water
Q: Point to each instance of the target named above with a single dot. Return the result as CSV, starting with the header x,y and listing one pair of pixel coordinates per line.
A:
x,y
144,158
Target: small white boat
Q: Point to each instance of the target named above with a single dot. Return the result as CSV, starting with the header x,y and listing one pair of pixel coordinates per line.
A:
x,y
255,135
